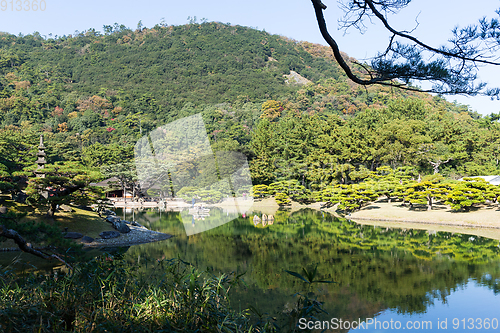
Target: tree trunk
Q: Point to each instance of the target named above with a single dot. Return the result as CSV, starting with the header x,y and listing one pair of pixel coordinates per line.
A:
x,y
52,209
429,202
25,246
124,194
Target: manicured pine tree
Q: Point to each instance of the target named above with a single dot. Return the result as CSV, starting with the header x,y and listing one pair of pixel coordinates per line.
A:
x,y
260,191
354,196
62,183
471,191
427,191
282,199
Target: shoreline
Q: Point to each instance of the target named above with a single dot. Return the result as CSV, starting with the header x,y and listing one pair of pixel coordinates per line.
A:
x,y
136,236
458,224
484,221
486,216
380,211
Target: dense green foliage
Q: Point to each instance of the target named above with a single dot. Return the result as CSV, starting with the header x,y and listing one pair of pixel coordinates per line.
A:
x,y
460,195
93,95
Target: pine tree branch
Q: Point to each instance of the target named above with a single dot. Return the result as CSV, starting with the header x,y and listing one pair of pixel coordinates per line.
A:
x,y
449,79
418,42
319,7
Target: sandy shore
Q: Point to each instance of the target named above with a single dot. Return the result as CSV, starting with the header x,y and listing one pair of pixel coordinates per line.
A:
x,y
485,217
483,222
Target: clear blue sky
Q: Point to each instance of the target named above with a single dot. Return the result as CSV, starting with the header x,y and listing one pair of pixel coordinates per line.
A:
x,y
291,18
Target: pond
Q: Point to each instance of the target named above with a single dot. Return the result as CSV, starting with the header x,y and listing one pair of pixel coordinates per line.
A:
x,y
386,279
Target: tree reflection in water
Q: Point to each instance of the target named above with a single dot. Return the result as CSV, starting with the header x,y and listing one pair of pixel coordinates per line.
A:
x,y
377,268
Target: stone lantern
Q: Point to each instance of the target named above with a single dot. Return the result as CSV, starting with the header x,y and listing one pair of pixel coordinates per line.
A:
x,y
41,159
41,164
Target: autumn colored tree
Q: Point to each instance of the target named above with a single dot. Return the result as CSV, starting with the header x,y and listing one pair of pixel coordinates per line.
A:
x,y
272,109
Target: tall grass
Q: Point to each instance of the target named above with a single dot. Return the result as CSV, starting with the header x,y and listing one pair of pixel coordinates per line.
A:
x,y
109,294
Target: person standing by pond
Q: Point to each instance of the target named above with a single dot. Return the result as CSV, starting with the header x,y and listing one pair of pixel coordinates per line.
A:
x,y
193,201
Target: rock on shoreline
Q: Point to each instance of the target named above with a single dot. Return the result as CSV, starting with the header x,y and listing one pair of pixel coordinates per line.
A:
x,y
137,235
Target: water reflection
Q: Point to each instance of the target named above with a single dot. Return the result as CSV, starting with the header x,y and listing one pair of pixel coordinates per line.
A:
x,y
468,301
377,268
381,272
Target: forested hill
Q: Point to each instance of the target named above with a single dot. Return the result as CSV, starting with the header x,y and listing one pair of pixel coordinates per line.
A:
x,y
94,94
158,69
210,62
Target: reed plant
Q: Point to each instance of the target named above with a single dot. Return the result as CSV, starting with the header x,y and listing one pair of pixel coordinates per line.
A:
x,y
110,294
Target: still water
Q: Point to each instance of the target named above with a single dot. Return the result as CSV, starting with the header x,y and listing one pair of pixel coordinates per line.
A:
x,y
387,279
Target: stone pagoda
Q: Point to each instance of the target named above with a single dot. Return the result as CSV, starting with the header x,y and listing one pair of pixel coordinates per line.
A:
x,y
41,165
41,159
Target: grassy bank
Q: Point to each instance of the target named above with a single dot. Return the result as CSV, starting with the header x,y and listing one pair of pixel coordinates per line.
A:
x,y
78,220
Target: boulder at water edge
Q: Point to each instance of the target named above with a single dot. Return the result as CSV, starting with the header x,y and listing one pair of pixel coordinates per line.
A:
x,y
121,226
108,212
109,234
112,219
72,235
86,239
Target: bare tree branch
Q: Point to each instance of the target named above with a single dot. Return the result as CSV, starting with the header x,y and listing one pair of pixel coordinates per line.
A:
x,y
319,7
25,247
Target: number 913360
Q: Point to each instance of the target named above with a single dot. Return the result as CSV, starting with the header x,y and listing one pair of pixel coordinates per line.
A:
x,y
475,323
23,5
